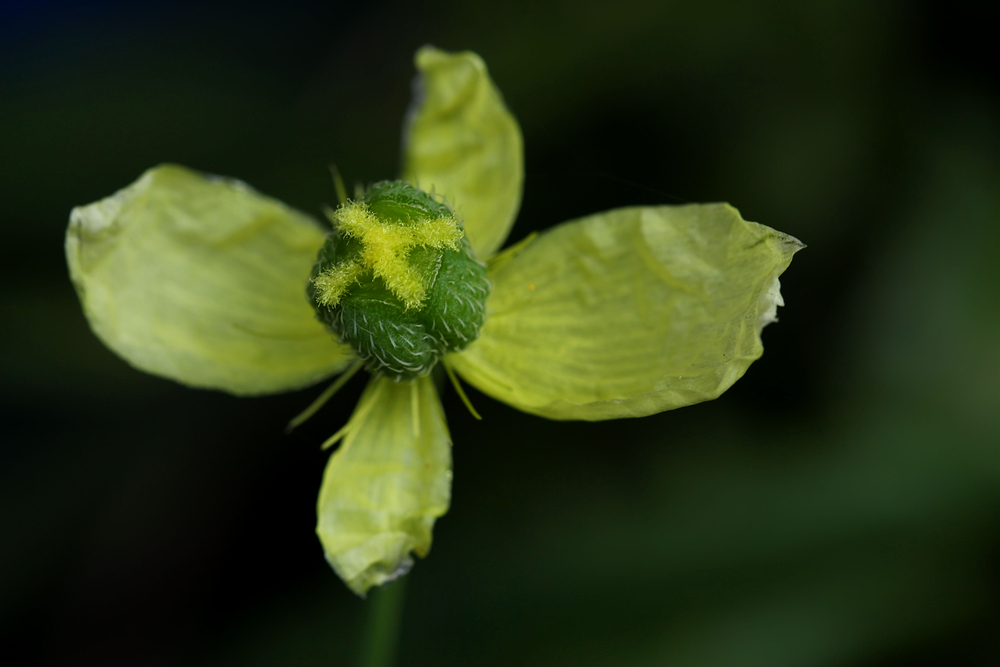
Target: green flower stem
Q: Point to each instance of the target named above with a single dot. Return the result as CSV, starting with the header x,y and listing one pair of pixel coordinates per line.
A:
x,y
384,611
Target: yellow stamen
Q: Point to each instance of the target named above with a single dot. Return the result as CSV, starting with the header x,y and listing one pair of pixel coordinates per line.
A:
x,y
458,389
325,396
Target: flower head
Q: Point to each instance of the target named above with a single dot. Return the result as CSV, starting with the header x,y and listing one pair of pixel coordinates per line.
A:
x,y
397,281
624,313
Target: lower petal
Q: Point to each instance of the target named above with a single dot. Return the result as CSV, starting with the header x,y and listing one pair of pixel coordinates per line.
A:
x,y
386,484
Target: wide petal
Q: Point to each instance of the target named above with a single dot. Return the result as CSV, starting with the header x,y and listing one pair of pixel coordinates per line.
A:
x,y
629,312
202,280
386,485
460,141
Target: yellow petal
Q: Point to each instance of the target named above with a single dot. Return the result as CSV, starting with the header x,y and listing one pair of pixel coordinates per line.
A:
x,y
202,280
629,313
463,143
385,486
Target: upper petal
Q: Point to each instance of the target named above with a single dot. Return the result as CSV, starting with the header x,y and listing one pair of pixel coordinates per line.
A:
x,y
387,484
629,312
202,280
460,141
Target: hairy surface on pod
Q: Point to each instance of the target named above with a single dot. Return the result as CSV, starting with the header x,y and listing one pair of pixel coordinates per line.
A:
x,y
396,280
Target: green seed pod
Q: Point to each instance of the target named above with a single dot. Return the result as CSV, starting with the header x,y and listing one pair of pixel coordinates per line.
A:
x,y
396,280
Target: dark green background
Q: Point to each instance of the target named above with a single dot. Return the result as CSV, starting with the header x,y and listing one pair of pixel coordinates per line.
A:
x,y
838,505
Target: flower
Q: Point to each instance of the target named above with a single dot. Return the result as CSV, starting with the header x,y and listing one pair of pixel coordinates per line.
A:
x,y
624,313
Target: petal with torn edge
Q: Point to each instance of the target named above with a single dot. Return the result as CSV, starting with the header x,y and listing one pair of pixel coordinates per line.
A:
x,y
202,280
386,484
628,313
460,141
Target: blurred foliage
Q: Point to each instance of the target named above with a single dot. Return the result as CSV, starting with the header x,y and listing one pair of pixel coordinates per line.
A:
x,y
838,505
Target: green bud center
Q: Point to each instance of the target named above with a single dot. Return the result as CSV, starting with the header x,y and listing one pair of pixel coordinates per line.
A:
x,y
396,280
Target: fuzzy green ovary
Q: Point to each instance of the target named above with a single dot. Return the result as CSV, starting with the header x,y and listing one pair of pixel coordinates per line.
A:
x,y
397,281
